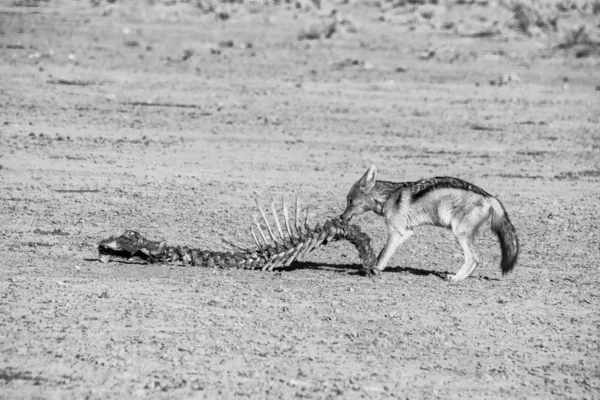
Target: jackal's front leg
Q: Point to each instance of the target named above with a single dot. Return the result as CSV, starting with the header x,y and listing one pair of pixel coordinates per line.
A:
x,y
395,239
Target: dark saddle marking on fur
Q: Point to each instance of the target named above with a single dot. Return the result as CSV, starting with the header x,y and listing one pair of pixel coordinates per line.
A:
x,y
425,186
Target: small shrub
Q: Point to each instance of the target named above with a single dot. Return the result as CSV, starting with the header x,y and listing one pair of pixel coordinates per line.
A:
x,y
427,13
522,17
318,31
525,17
205,5
187,54
575,37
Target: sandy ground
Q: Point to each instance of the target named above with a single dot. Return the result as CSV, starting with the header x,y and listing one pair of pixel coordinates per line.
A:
x,y
82,162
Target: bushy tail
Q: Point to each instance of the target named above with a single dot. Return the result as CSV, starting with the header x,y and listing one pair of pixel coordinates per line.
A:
x,y
507,236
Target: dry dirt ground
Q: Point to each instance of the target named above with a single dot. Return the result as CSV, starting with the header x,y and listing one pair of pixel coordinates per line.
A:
x,y
85,160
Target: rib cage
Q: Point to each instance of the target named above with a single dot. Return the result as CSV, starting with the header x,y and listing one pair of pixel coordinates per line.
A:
x,y
272,252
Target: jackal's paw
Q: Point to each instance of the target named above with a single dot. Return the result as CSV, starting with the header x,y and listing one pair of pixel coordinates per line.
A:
x,y
371,271
453,278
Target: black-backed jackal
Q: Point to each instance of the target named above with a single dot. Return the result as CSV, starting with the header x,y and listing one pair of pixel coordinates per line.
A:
x,y
442,201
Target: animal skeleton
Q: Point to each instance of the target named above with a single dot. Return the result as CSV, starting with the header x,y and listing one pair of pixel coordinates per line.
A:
x,y
296,239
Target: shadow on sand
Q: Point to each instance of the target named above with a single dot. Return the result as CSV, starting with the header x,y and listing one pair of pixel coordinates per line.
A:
x,y
351,269
357,269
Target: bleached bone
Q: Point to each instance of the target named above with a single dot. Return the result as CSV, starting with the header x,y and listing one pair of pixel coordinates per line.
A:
x,y
315,243
255,239
235,245
297,217
271,264
268,256
306,219
262,212
303,242
295,254
276,218
311,245
286,218
261,232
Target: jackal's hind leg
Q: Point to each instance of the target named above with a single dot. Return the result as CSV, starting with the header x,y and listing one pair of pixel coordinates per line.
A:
x,y
465,231
395,239
471,259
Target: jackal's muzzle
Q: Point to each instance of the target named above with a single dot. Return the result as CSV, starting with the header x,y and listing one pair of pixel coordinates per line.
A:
x,y
347,216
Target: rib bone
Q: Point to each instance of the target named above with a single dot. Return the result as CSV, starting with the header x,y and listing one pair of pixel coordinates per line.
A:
x,y
297,217
319,240
261,232
276,218
295,254
314,238
286,218
262,212
234,245
274,260
255,239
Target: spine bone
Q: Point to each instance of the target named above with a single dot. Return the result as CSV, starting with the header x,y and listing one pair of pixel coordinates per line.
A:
x,y
265,257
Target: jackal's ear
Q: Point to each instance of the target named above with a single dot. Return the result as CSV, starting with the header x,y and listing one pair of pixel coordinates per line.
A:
x,y
368,180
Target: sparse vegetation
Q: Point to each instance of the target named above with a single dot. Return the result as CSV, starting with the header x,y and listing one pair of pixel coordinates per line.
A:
x,y
533,18
318,30
427,13
29,3
526,17
575,37
187,54
566,5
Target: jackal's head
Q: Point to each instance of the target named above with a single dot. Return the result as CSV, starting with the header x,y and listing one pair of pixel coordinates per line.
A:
x,y
360,198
